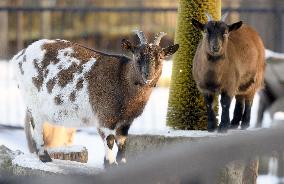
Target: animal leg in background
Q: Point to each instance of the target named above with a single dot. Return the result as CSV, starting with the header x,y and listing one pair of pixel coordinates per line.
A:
x,y
212,121
238,112
225,117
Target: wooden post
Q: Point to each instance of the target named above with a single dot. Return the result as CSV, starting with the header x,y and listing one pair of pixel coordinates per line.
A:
x,y
19,29
45,20
4,32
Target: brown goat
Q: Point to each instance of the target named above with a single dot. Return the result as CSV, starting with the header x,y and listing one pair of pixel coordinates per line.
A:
x,y
229,61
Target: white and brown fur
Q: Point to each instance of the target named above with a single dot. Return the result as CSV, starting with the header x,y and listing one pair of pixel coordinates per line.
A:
x,y
74,86
229,61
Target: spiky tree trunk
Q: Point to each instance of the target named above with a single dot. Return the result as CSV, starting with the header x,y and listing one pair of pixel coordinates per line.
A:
x,y
186,105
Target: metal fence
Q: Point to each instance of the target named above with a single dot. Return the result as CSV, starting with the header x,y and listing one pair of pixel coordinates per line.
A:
x,y
99,27
104,27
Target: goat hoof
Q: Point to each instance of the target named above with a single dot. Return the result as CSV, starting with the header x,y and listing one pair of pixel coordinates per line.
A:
x,y
122,161
211,129
222,129
233,126
45,157
108,165
244,126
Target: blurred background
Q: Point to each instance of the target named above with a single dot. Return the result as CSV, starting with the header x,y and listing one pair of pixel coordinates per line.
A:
x,y
102,25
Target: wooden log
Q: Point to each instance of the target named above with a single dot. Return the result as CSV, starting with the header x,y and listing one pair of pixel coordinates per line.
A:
x,y
73,153
58,141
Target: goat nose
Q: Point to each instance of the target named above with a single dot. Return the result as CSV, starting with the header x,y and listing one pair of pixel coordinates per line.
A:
x,y
215,48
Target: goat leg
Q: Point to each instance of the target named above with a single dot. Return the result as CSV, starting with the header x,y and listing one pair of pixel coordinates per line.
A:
x,y
121,136
238,112
246,117
225,117
212,121
38,138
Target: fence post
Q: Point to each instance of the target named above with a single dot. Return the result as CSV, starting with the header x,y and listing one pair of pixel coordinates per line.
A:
x,y
19,31
3,31
45,20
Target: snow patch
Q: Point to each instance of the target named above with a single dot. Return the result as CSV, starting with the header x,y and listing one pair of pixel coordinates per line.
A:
x,y
56,166
278,115
272,54
66,149
32,161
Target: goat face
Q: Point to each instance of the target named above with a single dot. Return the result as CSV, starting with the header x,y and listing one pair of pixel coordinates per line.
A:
x,y
215,35
148,57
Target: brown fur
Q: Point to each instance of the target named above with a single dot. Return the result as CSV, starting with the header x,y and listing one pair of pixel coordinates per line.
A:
x,y
241,70
124,99
72,96
66,76
50,56
50,84
58,100
79,84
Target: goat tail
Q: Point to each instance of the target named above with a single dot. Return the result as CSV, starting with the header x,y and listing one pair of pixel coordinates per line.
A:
x,y
29,130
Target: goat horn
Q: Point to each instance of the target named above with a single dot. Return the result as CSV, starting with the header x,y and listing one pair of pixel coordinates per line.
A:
x,y
158,37
224,17
141,36
209,17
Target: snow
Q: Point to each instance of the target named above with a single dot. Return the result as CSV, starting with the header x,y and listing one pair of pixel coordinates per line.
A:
x,y
278,115
272,54
66,149
12,107
15,140
56,166
269,179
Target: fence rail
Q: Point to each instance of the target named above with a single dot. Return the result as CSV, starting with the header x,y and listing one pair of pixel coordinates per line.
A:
x,y
100,27
88,9
190,162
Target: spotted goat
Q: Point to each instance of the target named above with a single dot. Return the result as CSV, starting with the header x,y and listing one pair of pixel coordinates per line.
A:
x,y
229,61
75,86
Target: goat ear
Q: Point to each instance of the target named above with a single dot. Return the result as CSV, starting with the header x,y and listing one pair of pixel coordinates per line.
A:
x,y
125,44
235,26
198,25
170,50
